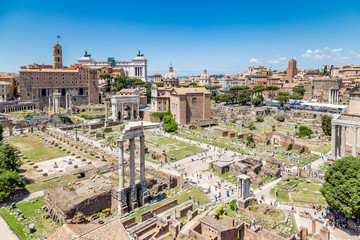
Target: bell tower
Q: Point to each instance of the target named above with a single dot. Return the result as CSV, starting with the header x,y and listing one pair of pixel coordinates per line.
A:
x,y
57,53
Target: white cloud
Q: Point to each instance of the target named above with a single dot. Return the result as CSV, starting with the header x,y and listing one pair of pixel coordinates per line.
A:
x,y
282,58
315,56
326,48
309,51
358,55
336,50
275,61
253,60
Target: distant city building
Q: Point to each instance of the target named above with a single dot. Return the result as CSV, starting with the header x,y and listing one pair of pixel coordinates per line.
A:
x,y
204,79
291,70
345,71
39,82
136,68
226,83
319,89
157,78
171,79
8,87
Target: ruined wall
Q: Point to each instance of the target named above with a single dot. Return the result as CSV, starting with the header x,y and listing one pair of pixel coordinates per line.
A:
x,y
183,212
158,210
129,222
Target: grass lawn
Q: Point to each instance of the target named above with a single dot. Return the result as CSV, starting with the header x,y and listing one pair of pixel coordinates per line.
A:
x,y
31,212
226,176
173,148
35,149
40,184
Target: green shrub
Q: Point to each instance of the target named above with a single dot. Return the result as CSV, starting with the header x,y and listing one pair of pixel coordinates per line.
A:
x,y
259,118
273,128
252,127
219,212
304,132
233,205
280,118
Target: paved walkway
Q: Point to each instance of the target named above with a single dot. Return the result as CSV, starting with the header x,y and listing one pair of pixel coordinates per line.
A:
x,y
5,232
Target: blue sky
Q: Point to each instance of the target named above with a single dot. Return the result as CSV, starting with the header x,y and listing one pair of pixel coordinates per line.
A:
x,y
223,36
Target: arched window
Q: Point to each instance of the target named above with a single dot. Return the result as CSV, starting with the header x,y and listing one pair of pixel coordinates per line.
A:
x,y
58,51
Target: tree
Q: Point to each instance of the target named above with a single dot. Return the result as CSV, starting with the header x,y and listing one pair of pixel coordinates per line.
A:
x,y
9,158
296,97
148,95
9,182
170,124
280,118
258,88
108,78
239,88
256,101
259,118
233,205
342,187
217,99
243,97
304,131
299,90
1,132
283,97
212,94
227,97
159,84
326,124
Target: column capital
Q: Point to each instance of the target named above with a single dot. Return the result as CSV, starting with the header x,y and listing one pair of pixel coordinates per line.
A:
x,y
354,129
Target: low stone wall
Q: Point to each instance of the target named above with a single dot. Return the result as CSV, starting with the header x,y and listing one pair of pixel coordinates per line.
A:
x,y
192,214
129,223
183,212
158,210
263,234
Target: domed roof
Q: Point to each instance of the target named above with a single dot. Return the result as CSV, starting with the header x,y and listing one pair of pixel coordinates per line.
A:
x,y
85,59
170,74
139,57
205,75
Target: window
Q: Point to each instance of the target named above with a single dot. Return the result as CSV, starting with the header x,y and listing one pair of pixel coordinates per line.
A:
x,y
193,100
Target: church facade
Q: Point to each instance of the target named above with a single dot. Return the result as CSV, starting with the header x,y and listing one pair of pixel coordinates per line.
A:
x,y
186,104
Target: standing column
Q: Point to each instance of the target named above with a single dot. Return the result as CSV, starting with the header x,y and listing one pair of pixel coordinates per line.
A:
x,y
121,165
66,102
132,112
49,103
354,141
106,115
333,141
132,162
343,141
142,158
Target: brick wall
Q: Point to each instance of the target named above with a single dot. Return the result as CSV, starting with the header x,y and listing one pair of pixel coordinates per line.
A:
x,y
183,212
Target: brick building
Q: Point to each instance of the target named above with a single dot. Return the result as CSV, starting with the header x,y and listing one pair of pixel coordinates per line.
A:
x,y
186,104
39,82
226,228
291,70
